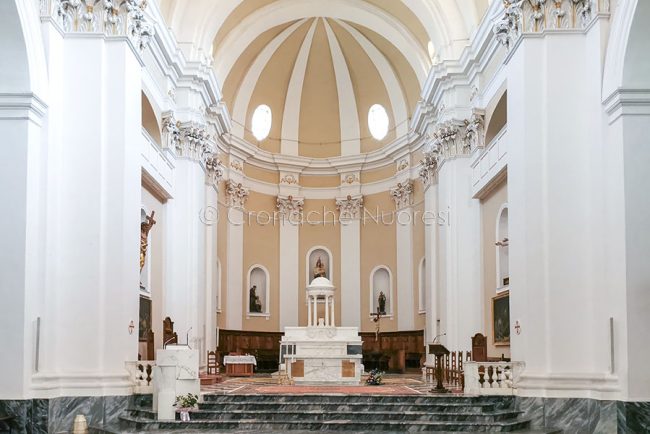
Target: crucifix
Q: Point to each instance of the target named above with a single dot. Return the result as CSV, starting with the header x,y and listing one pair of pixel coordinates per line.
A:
x,y
376,320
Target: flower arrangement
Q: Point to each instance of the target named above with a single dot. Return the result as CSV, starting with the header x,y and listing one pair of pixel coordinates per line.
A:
x,y
374,378
184,403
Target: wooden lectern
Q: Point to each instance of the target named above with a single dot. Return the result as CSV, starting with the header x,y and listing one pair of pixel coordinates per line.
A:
x,y
439,351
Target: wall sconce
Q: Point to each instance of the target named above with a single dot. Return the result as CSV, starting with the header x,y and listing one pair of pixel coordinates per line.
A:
x,y
131,327
517,327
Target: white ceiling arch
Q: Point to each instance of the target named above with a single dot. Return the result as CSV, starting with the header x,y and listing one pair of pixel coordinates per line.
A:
x,y
284,11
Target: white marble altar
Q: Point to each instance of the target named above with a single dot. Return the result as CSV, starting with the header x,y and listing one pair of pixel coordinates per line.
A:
x,y
322,352
177,373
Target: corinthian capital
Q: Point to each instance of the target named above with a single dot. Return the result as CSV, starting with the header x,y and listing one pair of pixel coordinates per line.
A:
x,y
401,194
537,16
236,194
290,207
350,207
214,168
110,17
429,167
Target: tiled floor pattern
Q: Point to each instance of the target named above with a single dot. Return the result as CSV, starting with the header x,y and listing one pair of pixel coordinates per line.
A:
x,y
267,384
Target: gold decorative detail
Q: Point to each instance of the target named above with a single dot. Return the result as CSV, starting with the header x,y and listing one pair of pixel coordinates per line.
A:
x,y
145,227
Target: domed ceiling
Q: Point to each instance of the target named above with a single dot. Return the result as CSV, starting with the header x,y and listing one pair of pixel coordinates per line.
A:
x,y
319,65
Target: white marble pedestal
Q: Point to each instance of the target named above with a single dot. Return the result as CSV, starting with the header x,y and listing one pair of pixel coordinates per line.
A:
x,y
177,373
321,355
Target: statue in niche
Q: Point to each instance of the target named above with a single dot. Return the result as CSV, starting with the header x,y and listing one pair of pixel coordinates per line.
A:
x,y
254,303
382,303
319,269
145,227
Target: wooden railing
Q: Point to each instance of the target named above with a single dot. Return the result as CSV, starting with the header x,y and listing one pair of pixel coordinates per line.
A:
x,y
452,369
492,378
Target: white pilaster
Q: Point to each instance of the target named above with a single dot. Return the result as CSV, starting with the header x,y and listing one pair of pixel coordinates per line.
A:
x,y
404,233
350,210
554,215
463,312
237,195
91,280
290,213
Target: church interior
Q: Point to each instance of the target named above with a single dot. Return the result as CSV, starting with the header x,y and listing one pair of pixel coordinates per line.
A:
x,y
297,215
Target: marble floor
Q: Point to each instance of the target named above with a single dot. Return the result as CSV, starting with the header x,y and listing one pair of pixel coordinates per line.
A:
x,y
393,384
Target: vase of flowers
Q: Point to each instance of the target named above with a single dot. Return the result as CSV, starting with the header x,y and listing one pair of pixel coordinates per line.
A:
x,y
374,378
184,404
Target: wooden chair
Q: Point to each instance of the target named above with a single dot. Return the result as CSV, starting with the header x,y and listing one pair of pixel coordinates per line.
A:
x,y
213,365
479,348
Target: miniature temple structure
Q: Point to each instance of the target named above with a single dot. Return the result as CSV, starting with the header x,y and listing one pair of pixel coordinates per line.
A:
x,y
321,352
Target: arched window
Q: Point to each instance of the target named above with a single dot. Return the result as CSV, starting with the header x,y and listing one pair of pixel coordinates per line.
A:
x,y
319,263
502,242
422,285
261,123
381,291
258,292
378,121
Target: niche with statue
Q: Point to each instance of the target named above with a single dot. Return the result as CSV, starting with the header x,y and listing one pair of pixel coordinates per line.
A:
x,y
258,291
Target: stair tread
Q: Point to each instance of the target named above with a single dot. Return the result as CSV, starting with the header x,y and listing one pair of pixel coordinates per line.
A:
x,y
328,422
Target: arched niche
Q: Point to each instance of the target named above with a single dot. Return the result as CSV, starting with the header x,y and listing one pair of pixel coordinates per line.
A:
x,y
502,246
498,119
381,282
150,120
325,256
422,291
258,291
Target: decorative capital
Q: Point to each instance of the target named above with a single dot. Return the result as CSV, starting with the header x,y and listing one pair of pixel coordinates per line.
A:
x,y
194,141
350,207
401,194
236,194
474,136
429,167
537,16
290,207
110,17
214,168
171,132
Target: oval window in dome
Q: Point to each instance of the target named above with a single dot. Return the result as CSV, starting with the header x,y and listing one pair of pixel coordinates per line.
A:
x,y
261,123
378,121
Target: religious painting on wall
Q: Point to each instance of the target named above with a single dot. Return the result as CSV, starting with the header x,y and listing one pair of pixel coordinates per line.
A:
x,y
501,319
145,318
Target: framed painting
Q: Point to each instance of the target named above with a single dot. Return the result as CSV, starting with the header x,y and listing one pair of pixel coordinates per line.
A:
x,y
501,319
145,318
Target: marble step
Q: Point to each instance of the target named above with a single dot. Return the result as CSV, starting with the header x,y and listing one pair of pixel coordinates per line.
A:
x,y
365,398
320,415
385,407
355,425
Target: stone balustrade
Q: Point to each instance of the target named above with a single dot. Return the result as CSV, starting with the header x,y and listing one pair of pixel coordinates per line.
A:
x,y
141,374
492,378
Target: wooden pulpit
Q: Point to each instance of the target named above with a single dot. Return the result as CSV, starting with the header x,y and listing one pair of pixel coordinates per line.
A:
x,y
439,351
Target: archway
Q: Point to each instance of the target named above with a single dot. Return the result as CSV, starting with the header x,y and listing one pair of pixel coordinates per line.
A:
x,y
23,87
